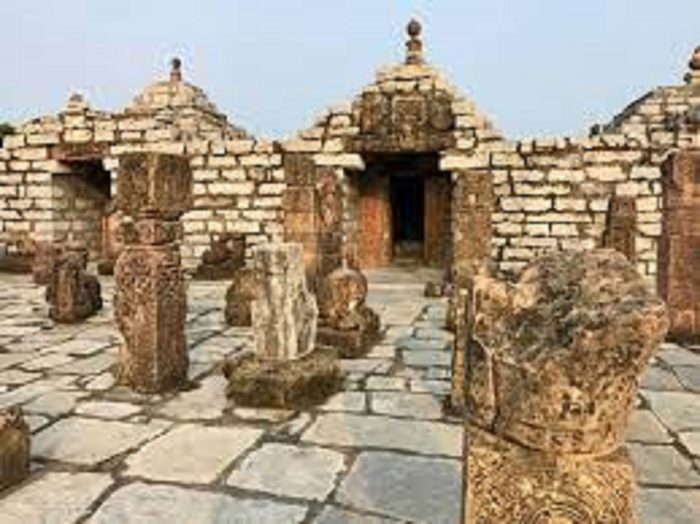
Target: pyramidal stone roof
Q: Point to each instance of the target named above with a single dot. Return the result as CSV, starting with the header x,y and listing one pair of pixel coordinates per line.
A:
x,y
175,96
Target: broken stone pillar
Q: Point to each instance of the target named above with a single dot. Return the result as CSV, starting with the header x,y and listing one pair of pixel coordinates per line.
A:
x,y
345,321
150,301
552,377
679,245
45,256
111,239
239,298
621,228
223,259
72,294
285,369
284,313
14,448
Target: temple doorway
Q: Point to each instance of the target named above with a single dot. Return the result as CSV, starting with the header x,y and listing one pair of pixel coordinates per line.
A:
x,y
81,193
402,204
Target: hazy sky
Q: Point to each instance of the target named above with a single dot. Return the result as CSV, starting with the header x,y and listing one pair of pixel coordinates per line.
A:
x,y
537,67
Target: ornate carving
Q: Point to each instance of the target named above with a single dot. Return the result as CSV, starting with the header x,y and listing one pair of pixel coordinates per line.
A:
x,y
150,300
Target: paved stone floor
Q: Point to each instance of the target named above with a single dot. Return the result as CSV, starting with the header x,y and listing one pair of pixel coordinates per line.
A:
x,y
379,452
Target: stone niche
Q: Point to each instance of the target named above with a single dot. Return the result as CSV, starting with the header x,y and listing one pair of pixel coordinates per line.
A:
x,y
150,301
285,369
345,321
552,371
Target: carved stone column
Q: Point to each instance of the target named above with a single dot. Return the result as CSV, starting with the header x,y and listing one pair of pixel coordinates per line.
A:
x,y
551,381
150,302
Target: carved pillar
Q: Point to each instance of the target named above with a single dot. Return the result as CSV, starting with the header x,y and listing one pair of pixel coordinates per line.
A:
x,y
621,228
472,207
154,190
679,245
553,378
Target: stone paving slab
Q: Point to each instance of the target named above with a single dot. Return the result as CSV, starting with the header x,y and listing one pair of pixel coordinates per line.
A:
x,y
412,488
289,471
83,421
191,454
159,504
55,498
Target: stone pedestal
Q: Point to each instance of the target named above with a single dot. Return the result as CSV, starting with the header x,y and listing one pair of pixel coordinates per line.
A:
x,y
509,483
239,298
150,300
223,259
346,323
14,448
284,313
72,294
551,373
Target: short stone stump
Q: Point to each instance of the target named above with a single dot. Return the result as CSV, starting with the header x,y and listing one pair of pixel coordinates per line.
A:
x,y
308,381
14,448
352,343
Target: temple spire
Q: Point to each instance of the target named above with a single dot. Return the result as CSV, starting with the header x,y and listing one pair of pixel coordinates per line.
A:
x,y
414,46
176,70
693,77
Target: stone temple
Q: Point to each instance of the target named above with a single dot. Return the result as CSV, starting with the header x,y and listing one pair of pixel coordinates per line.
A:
x,y
551,251
410,168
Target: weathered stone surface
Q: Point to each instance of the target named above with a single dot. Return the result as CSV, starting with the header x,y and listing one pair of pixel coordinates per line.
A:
x,y
112,241
333,515
509,483
223,259
666,506
154,504
207,402
314,471
191,454
284,313
14,448
150,300
56,497
345,320
240,296
90,441
72,294
553,379
576,333
416,489
302,382
340,429
676,409
417,406
621,228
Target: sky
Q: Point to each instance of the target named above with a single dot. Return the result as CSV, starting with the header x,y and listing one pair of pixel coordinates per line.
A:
x,y
536,67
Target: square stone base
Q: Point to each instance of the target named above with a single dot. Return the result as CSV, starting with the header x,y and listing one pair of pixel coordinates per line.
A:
x,y
505,482
256,382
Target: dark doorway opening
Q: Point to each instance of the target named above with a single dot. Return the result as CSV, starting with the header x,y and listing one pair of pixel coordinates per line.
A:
x,y
400,211
407,198
82,191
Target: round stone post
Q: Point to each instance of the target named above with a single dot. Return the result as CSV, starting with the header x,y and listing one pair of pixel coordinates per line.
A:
x,y
150,301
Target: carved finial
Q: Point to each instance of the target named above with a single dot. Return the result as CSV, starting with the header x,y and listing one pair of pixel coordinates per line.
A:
x,y
176,71
414,45
693,77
